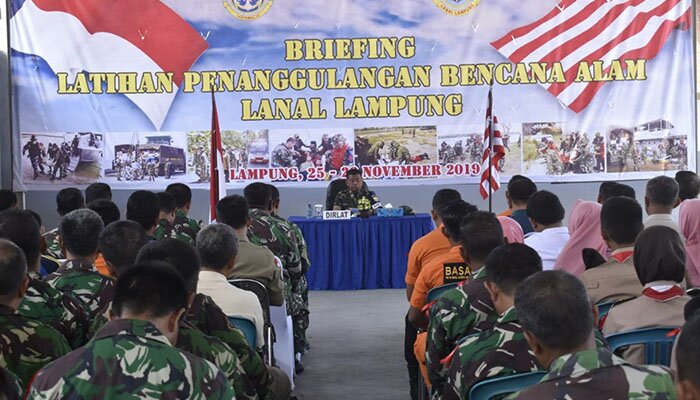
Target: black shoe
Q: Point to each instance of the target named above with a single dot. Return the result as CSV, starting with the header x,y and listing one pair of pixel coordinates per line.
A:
x,y
298,367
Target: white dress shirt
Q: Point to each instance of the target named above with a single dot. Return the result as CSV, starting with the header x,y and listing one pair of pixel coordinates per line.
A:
x,y
548,244
663,220
234,302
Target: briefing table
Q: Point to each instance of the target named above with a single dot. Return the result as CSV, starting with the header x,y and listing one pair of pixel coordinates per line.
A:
x,y
360,253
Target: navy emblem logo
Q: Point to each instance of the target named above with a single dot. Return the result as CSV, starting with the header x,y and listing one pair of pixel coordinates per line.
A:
x,y
457,7
247,10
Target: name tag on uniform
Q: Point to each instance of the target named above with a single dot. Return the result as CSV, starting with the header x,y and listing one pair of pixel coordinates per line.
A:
x,y
336,214
455,272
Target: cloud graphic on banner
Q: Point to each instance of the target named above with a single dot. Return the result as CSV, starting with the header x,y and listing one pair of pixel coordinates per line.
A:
x,y
142,36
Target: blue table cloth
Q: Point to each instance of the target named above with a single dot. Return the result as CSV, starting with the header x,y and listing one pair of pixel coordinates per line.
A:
x,y
360,253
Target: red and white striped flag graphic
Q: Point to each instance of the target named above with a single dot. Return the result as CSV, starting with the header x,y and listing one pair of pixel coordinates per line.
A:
x,y
590,30
499,151
217,175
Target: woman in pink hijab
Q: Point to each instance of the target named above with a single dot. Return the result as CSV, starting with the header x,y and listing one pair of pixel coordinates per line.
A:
x,y
584,228
512,230
689,221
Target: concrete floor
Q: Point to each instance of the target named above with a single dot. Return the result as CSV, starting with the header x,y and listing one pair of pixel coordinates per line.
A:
x,y
356,346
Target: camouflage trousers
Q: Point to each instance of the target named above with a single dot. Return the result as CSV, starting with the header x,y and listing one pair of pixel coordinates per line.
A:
x,y
297,297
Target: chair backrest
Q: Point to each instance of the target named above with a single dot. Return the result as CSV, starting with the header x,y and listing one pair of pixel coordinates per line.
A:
x,y
334,188
436,292
604,308
657,342
259,290
491,388
247,327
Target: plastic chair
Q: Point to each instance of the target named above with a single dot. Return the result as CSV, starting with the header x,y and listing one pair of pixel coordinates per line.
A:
x,y
491,388
260,291
604,309
247,327
436,292
657,343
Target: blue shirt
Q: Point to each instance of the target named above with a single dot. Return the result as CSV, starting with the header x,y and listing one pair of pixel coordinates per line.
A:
x,y
521,217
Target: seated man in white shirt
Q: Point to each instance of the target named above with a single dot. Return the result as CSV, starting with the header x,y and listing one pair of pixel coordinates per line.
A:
x,y
688,189
546,215
217,247
659,200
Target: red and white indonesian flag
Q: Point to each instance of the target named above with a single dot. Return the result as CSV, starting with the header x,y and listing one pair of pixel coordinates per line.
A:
x,y
590,30
490,180
142,36
217,178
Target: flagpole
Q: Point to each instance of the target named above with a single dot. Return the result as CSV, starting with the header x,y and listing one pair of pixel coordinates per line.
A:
x,y
491,129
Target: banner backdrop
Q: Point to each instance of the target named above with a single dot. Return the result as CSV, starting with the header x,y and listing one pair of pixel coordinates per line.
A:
x,y
119,91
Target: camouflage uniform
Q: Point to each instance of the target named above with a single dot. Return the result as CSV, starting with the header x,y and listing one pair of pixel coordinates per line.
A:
x,y
347,199
206,316
402,155
164,230
373,153
185,228
27,345
130,359
194,341
53,249
81,280
597,374
497,352
459,312
282,156
56,309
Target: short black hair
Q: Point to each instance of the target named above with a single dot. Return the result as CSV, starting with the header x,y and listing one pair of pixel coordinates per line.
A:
x,y
621,190
217,244
233,211
20,227
480,233
166,202
659,255
80,231
8,199
108,211
143,207
8,386
452,214
182,193
274,192
442,197
120,243
98,190
688,352
37,217
662,190
621,219
520,188
691,307
509,265
258,195
545,208
554,307
177,253
604,190
135,291
69,199
688,185
13,268
353,171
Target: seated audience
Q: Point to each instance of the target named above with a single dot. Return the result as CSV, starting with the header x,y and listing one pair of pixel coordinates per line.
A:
x,y
41,302
217,247
689,221
145,322
48,264
108,211
659,260
8,199
67,200
186,228
79,232
660,199
144,207
688,189
512,231
120,243
509,211
166,218
98,191
26,345
520,188
584,228
688,350
556,316
616,279
610,189
550,235
690,309
253,261
349,198
501,350
466,309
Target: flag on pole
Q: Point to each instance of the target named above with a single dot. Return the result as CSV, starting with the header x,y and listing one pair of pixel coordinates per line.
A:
x,y
489,161
217,175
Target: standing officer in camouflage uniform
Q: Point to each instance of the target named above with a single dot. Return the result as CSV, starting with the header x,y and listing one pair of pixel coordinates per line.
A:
x,y
447,154
42,302
140,338
26,345
186,229
502,350
67,200
556,316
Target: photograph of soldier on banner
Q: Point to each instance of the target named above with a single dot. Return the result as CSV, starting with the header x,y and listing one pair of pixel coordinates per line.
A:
x,y
653,146
550,149
465,145
396,145
62,158
330,149
244,149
